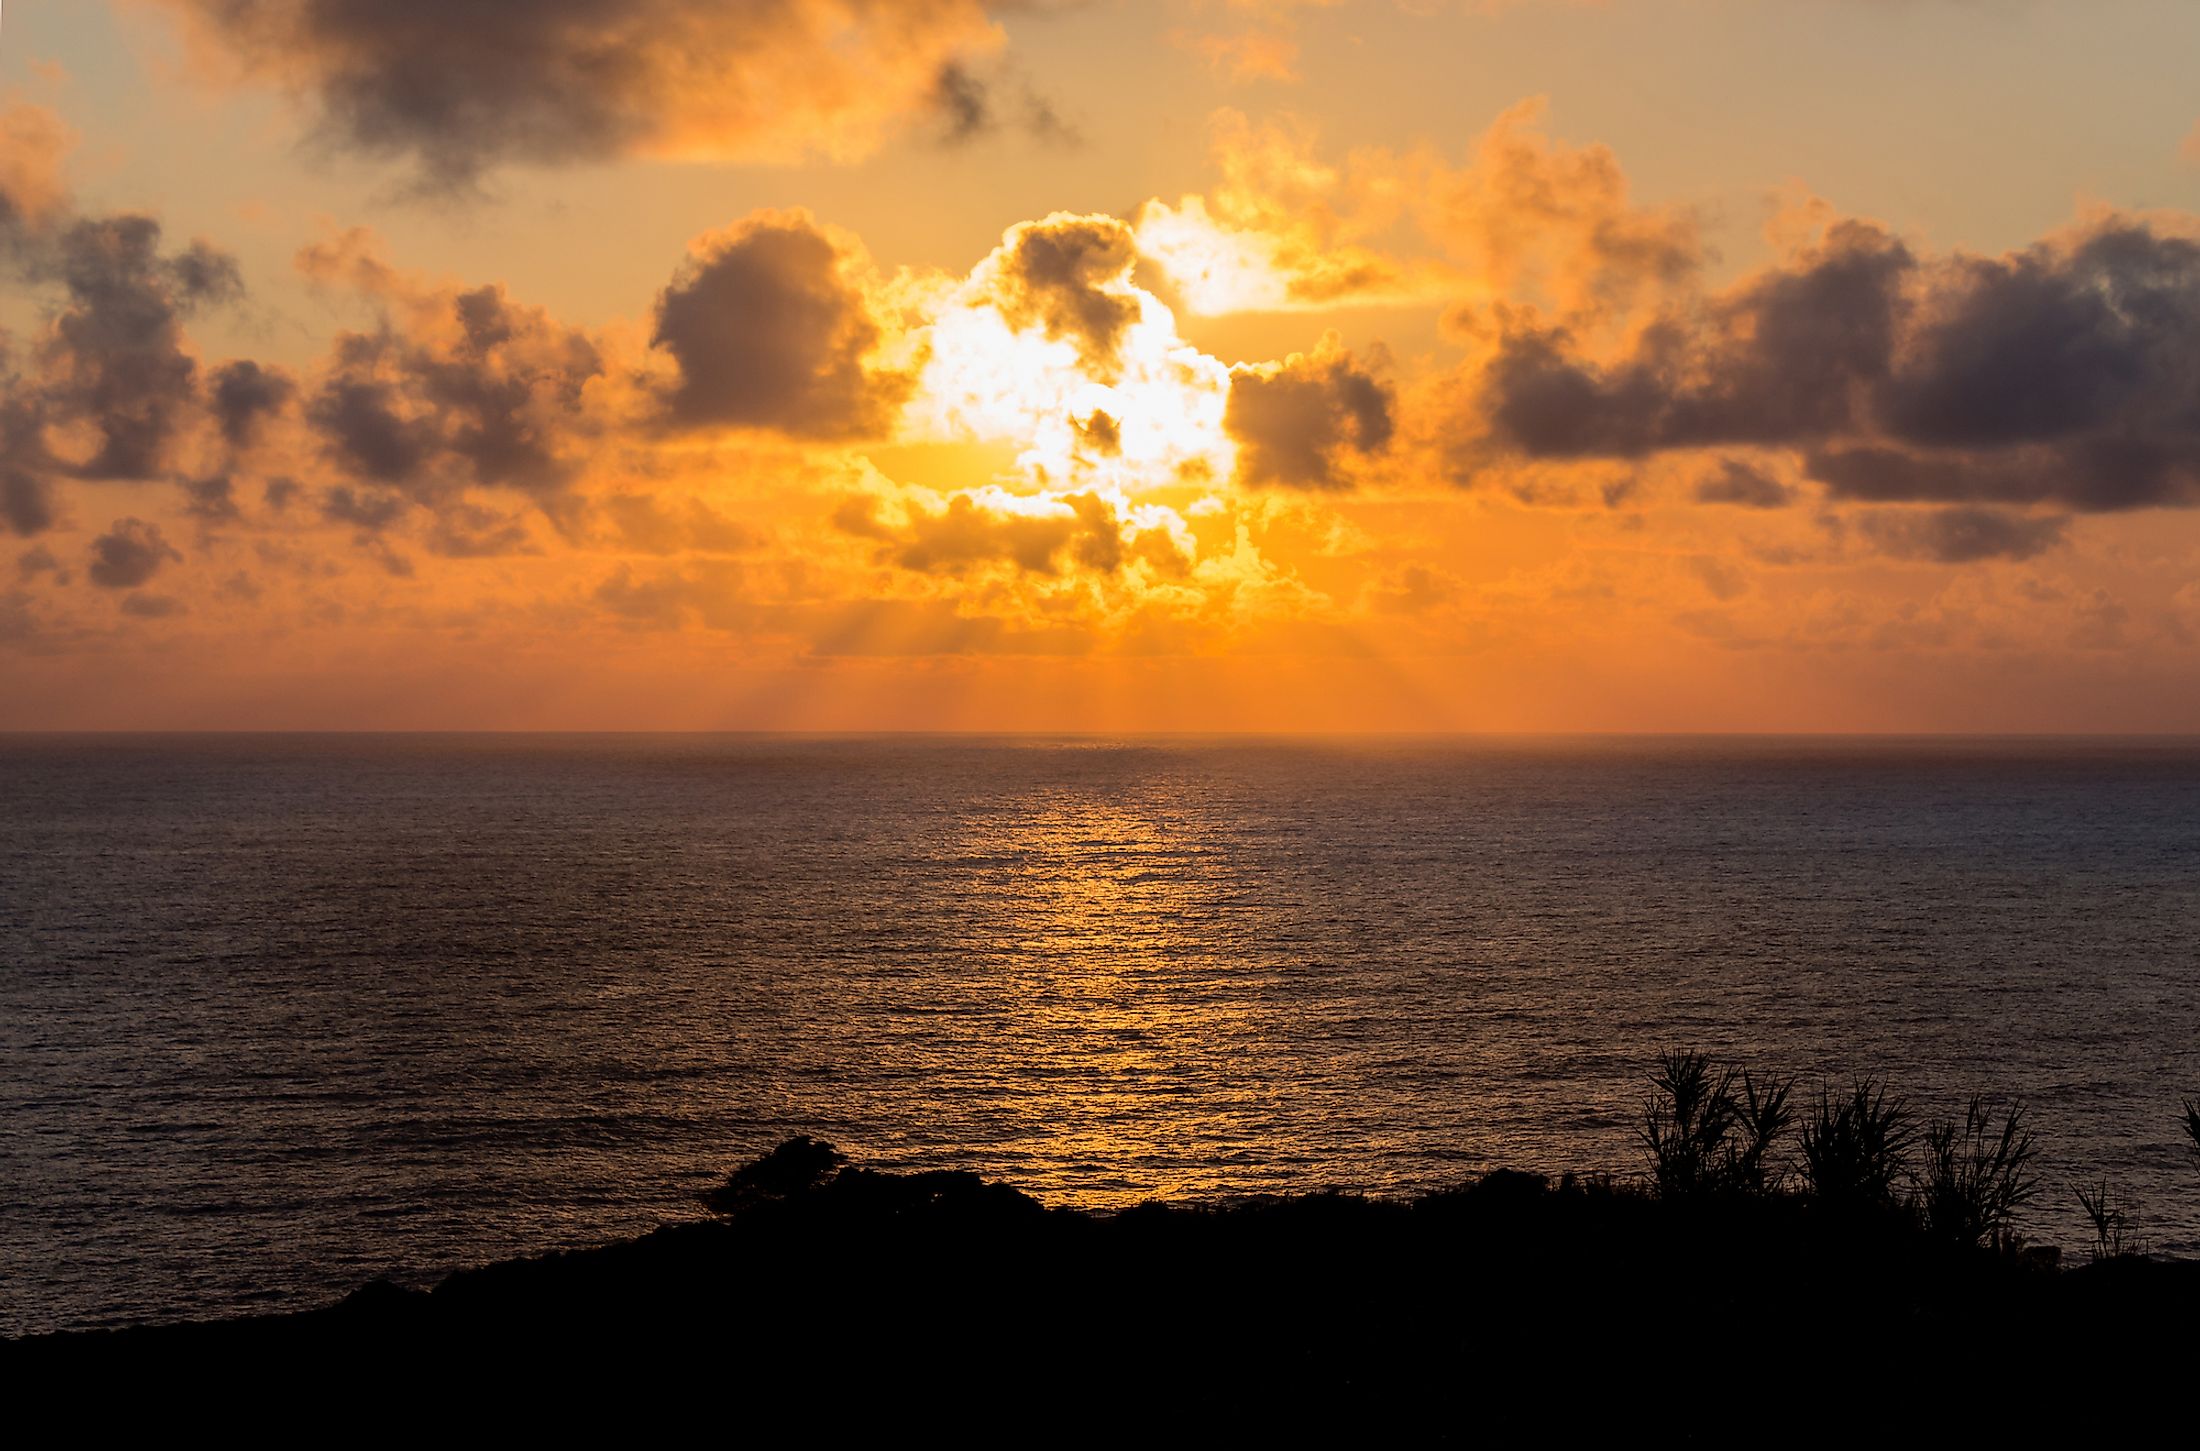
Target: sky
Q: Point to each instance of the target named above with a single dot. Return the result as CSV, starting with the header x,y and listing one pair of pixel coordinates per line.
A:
x,y
1100,365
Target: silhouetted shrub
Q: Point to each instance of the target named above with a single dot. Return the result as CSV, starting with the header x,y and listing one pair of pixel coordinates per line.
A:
x,y
1855,1146
794,1167
1711,1131
1976,1175
1686,1124
1766,1115
2105,1211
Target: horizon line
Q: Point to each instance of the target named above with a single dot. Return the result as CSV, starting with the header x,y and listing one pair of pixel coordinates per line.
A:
x,y
973,733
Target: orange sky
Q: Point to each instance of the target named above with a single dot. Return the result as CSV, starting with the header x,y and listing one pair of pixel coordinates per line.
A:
x,y
1662,365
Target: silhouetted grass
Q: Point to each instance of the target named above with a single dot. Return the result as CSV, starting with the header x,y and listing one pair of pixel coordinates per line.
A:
x,y
1712,1132
1855,1147
1977,1175
2111,1221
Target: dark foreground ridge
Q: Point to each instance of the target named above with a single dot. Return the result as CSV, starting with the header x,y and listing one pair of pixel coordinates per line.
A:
x,y
823,1297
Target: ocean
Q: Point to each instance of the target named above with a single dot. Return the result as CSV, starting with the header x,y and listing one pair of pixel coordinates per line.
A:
x,y
281,1014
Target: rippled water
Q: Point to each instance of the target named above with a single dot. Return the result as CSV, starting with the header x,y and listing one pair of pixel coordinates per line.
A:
x,y
279,1014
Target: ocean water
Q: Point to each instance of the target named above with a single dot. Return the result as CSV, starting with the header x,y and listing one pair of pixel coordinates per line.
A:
x,y
281,1014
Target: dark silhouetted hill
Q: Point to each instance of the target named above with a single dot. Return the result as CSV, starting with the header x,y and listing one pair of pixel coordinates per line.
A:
x,y
823,1299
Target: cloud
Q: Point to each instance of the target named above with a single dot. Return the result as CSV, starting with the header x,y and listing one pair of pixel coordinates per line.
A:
x,y
128,554
1070,276
1283,230
455,388
111,382
1050,346
971,106
152,607
1776,360
1047,535
27,502
1295,422
456,89
1537,221
769,329
1039,535
2061,374
1736,482
114,357
37,561
1960,535
243,394
212,500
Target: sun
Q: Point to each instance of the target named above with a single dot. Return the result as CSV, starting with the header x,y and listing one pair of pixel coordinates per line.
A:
x,y
1076,366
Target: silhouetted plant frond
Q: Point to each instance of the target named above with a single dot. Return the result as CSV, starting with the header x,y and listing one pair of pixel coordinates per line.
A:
x,y
1686,1123
1712,1129
1765,1114
1977,1175
2192,1122
1856,1145
2105,1211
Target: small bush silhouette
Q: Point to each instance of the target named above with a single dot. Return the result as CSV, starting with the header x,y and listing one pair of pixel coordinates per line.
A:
x,y
1976,1175
1856,1146
2105,1211
794,1167
1711,1130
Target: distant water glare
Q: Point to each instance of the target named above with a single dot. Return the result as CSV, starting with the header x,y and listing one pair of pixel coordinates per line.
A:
x,y
282,1014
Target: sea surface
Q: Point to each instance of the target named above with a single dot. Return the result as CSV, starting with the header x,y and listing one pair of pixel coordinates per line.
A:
x,y
280,1014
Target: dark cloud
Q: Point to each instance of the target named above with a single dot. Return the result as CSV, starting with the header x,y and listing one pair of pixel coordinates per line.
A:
x,y
39,560
479,392
970,106
964,105
369,512
1778,359
1295,421
1102,433
212,500
114,356
468,531
1069,275
2064,374
1740,483
1961,535
1076,532
967,534
110,365
243,394
128,554
27,504
454,87
769,332
151,607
